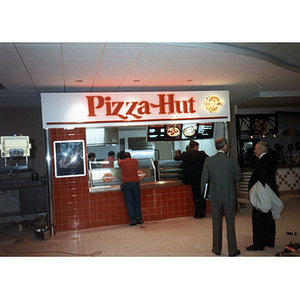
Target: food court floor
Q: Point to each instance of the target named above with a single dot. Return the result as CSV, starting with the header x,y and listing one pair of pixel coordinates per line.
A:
x,y
182,237
169,259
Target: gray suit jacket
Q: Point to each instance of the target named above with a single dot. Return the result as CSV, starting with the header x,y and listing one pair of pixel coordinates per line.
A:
x,y
221,172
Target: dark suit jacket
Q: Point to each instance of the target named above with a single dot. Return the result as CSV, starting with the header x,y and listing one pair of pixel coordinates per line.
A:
x,y
193,161
264,171
221,172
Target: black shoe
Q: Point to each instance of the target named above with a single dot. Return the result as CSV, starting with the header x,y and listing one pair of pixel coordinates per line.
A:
x,y
271,245
217,253
199,216
133,224
238,252
139,222
253,248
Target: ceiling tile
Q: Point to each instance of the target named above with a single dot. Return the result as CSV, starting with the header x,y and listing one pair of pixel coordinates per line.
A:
x,y
87,64
40,50
48,82
37,63
82,50
8,50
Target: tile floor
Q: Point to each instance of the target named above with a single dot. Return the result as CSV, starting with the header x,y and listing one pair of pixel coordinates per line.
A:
x,y
169,259
182,237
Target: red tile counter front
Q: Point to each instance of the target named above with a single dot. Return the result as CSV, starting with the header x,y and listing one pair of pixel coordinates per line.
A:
x,y
76,208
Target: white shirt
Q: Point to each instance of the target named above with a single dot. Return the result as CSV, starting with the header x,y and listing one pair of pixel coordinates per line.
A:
x,y
262,155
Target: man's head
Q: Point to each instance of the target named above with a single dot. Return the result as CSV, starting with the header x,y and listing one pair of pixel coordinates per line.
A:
x,y
221,144
260,148
120,155
194,145
92,156
127,154
111,153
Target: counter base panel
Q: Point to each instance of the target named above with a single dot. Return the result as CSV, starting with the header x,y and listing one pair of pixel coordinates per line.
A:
x,y
108,208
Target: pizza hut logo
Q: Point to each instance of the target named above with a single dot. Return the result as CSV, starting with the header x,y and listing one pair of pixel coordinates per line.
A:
x,y
166,104
108,177
213,104
141,175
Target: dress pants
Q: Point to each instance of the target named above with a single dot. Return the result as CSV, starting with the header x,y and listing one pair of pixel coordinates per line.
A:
x,y
132,194
199,201
217,218
263,226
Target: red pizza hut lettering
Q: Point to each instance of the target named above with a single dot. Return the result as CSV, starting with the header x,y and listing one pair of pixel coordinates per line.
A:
x,y
137,109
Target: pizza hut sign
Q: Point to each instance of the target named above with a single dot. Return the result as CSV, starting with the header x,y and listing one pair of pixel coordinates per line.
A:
x,y
92,109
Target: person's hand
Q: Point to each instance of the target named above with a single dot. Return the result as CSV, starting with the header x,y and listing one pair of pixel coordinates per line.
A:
x,y
177,152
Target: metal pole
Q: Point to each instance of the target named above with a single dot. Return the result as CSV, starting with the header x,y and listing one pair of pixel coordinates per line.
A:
x,y
49,181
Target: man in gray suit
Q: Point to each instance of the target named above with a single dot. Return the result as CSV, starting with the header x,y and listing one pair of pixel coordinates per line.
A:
x,y
220,173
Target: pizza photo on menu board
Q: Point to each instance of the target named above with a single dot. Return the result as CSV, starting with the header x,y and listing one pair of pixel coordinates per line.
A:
x,y
189,131
173,131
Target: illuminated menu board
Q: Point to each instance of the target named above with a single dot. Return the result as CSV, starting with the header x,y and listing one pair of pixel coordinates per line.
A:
x,y
180,132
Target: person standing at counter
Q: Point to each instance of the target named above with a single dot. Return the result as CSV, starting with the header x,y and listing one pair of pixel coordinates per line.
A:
x,y
220,174
263,224
193,161
92,156
109,160
131,188
120,155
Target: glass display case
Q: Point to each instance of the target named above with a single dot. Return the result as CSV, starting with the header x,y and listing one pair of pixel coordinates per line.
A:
x,y
101,176
169,170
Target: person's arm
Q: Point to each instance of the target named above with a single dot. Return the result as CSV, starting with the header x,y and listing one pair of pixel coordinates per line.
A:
x,y
178,156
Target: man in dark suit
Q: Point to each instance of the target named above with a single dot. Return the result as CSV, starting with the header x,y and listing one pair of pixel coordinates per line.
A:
x,y
193,161
220,173
263,224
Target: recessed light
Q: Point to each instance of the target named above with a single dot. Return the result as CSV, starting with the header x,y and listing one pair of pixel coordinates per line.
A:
x,y
136,80
190,80
79,80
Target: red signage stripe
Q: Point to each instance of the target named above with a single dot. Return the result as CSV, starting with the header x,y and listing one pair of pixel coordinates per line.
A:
x,y
134,121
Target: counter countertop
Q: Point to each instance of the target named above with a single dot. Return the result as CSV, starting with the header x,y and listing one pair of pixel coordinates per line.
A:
x,y
146,185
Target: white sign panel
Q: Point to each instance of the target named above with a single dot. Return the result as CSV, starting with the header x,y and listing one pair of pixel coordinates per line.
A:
x,y
60,110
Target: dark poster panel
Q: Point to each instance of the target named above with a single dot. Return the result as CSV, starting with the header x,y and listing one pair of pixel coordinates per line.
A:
x,y
69,158
288,123
262,124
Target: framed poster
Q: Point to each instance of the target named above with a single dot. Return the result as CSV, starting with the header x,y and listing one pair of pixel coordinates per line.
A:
x,y
263,124
288,123
69,158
